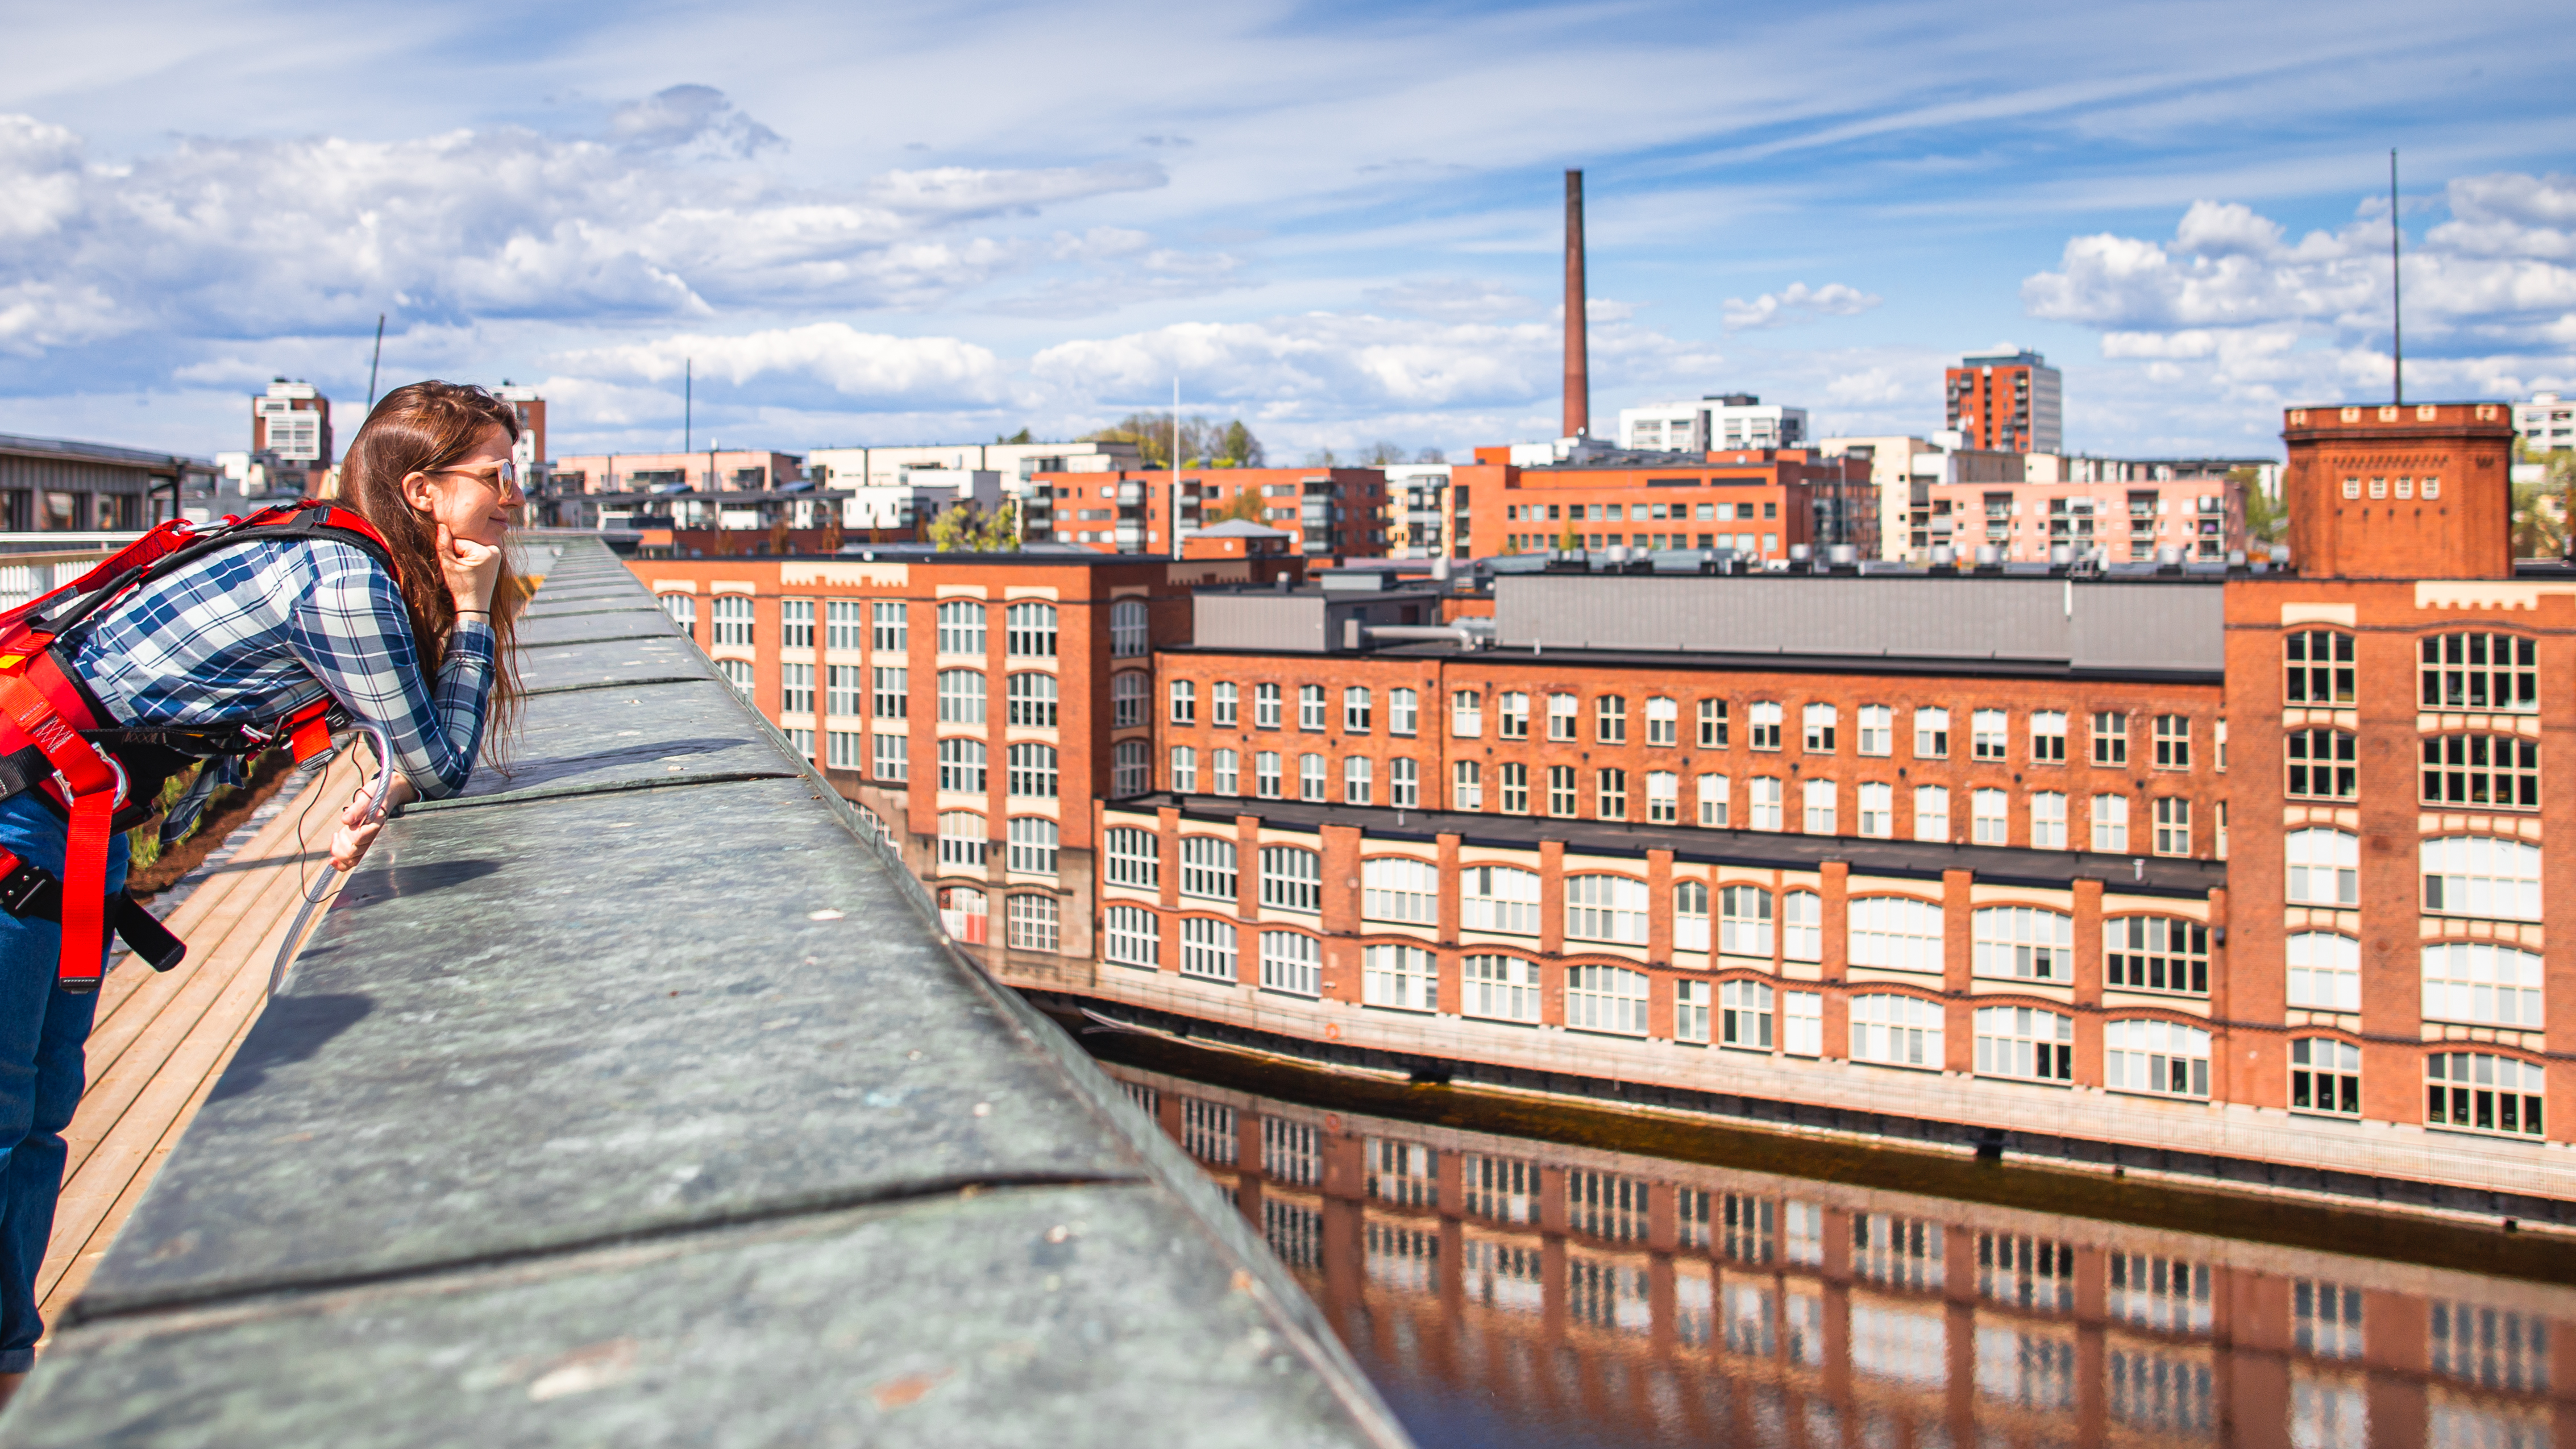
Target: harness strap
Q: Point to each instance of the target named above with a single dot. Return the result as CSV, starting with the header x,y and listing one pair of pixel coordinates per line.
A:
x,y
92,785
30,892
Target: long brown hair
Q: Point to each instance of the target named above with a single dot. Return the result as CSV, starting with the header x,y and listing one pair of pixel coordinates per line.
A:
x,y
423,428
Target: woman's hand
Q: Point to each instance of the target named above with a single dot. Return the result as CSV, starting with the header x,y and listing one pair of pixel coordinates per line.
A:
x,y
357,831
471,570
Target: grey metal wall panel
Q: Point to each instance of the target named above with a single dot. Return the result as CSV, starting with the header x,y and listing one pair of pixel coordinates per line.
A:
x,y
2087,625
1258,621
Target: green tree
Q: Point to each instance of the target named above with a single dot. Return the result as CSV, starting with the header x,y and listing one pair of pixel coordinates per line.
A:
x,y
2266,519
1381,453
1569,540
1244,506
1022,436
963,528
2540,510
1204,443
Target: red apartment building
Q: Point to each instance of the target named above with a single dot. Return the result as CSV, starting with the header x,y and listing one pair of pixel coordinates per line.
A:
x,y
2012,402
1332,512
1759,502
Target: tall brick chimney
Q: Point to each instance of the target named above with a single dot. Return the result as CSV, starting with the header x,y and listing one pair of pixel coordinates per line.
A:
x,y
1578,370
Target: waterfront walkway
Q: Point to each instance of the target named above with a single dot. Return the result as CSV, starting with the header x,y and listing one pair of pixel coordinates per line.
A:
x,y
633,1098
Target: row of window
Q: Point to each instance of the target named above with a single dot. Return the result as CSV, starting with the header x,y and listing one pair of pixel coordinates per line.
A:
x,y
1029,628
1820,727
2496,772
2454,672
1655,796
2471,1091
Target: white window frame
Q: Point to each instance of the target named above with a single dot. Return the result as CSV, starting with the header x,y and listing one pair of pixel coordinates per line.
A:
x,y
2023,943
1208,948
1131,936
2322,971
1398,977
1896,933
1932,824
1889,1029
1605,998
1400,888
2322,856
1503,899
1499,988
2482,983
1607,908
1292,962
2144,1054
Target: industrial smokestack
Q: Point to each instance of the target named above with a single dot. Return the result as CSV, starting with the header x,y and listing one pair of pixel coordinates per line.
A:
x,y
1578,370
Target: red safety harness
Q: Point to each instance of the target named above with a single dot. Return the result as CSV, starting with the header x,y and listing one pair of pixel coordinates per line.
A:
x,y
57,740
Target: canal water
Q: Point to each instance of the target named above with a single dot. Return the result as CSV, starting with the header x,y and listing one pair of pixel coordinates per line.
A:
x,y
1505,1291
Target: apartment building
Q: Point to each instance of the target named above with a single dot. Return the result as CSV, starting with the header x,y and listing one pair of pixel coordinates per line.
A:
x,y
2545,424
1334,512
2192,518
2013,402
974,705
710,470
1760,503
1718,421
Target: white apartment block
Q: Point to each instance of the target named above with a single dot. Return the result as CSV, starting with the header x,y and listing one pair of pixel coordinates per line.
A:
x,y
1708,424
2546,423
1017,463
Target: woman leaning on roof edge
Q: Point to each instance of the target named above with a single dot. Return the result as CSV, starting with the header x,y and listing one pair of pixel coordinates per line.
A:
x,y
252,633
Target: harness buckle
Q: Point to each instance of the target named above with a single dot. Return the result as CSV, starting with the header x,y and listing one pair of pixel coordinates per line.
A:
x,y
115,766
22,890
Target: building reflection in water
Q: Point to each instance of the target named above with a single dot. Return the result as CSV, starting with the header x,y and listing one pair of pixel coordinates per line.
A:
x,y
1511,1292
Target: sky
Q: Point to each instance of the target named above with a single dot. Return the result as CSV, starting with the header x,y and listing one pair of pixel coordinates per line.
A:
x,y
1342,223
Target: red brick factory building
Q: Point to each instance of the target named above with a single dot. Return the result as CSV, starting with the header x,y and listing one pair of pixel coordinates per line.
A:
x,y
2231,872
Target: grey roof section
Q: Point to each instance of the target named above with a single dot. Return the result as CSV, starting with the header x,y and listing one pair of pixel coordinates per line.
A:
x,y
634,1098
2170,627
1242,528
2050,869
79,452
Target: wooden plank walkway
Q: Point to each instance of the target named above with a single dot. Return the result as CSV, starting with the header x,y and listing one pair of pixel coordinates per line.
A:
x,y
162,1040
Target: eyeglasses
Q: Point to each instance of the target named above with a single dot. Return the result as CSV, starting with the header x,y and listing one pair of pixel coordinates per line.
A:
x,y
503,475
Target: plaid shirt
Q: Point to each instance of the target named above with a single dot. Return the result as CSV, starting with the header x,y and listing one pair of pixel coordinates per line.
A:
x,y
254,632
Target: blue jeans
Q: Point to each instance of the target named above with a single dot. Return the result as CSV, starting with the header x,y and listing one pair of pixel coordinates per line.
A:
x,y
42,1070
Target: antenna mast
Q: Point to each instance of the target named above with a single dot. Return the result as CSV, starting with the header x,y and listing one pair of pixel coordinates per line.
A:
x,y
688,395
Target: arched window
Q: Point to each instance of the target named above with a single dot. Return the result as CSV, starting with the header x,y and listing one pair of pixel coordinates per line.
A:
x,y
1033,845
1605,998
965,914
1744,921
736,672
961,838
2481,672
1034,922
1499,898
961,627
1032,700
733,620
1032,630
1127,699
1605,908
2478,875
1129,767
2156,953
1129,937
2482,984
1032,771
2324,971
1400,889
1690,916
683,610
961,766
2162,1057
1207,948
1291,962
2481,1092
1127,630
1500,988
1134,858
1398,976
2324,867
2025,1042
2323,764
1802,926
1895,932
1207,867
961,697
2024,943
1292,879
1896,1031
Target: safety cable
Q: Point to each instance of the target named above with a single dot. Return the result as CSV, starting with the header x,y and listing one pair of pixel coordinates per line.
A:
x,y
319,885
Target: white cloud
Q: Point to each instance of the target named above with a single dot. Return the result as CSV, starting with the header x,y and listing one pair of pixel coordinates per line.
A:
x,y
869,368
273,239
1453,300
1797,302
